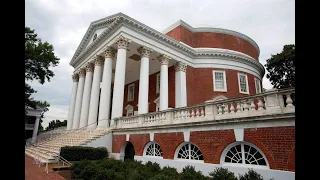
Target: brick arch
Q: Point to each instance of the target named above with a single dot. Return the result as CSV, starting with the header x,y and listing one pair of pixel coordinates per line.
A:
x,y
139,141
169,143
212,143
264,149
291,160
220,149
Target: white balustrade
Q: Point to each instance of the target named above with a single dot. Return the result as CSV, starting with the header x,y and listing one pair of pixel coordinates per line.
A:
x,y
270,102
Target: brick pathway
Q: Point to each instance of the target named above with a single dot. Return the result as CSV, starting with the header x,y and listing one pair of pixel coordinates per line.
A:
x,y
34,172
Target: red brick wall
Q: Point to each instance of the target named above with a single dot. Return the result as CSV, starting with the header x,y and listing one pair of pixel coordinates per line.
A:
x,y
169,143
117,142
199,87
277,144
212,143
213,40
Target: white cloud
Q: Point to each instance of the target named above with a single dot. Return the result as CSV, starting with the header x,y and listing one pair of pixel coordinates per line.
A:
x,y
271,23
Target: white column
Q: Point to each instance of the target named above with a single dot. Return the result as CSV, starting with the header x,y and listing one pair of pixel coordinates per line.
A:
x,y
75,79
35,130
95,93
104,107
86,96
119,79
77,109
144,80
164,61
181,84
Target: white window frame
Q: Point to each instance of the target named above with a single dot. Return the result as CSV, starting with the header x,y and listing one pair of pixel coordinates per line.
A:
x,y
241,74
226,150
128,98
224,79
129,109
157,102
146,148
158,84
188,160
259,85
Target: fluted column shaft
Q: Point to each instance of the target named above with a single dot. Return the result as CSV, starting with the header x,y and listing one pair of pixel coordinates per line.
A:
x,y
95,93
144,80
77,109
164,61
119,79
181,84
75,79
86,96
104,107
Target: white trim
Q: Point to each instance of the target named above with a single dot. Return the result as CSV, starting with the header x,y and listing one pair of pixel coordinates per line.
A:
x,y
151,136
147,146
189,160
157,102
239,134
131,85
226,150
255,83
246,77
127,137
158,84
129,109
186,136
224,81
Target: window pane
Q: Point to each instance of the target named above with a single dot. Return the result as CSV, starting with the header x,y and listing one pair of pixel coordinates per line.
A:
x,y
243,83
219,81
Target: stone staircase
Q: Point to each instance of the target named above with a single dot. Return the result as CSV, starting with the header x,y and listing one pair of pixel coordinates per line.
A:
x,y
47,151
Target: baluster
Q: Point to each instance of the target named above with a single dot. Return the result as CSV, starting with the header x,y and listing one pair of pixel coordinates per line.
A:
x,y
192,112
253,106
188,113
219,106
225,109
197,112
260,104
245,106
202,111
182,114
289,100
175,115
238,107
231,108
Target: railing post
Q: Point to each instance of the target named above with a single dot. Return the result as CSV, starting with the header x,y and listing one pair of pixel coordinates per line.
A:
x,y
273,102
169,116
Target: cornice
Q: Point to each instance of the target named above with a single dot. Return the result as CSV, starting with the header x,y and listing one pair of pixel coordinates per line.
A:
x,y
120,19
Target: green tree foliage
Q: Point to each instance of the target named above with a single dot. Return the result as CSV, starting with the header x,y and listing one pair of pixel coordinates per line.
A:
x,y
45,106
39,56
55,124
281,68
251,175
222,174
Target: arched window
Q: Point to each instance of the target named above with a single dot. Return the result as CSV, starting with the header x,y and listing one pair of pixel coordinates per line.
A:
x,y
188,151
153,149
243,153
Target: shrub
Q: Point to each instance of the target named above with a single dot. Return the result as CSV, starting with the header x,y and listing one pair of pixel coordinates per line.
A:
x,y
78,153
171,172
189,172
251,175
222,174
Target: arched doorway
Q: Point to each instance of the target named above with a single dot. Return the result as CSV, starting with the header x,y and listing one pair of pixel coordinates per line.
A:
x,y
129,152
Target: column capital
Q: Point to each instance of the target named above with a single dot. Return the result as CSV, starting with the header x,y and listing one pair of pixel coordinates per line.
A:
x,y
164,59
75,77
109,52
145,51
180,66
97,60
123,42
82,72
89,67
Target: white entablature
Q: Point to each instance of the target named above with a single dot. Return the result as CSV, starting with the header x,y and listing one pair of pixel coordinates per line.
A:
x,y
121,25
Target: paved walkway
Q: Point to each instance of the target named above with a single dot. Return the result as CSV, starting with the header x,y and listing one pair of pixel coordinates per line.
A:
x,y
34,172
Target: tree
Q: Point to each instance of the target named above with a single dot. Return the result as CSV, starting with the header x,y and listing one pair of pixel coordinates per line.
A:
x,y
45,105
55,124
281,68
39,56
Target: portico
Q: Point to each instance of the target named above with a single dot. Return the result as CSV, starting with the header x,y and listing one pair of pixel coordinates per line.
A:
x,y
124,62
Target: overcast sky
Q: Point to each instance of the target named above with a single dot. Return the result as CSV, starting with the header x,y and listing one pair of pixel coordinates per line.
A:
x,y
63,23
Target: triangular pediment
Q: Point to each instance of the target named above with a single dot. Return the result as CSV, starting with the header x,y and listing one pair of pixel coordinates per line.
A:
x,y
96,27
129,107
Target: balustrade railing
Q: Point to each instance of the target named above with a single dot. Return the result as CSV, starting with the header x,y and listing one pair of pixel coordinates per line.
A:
x,y
273,101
